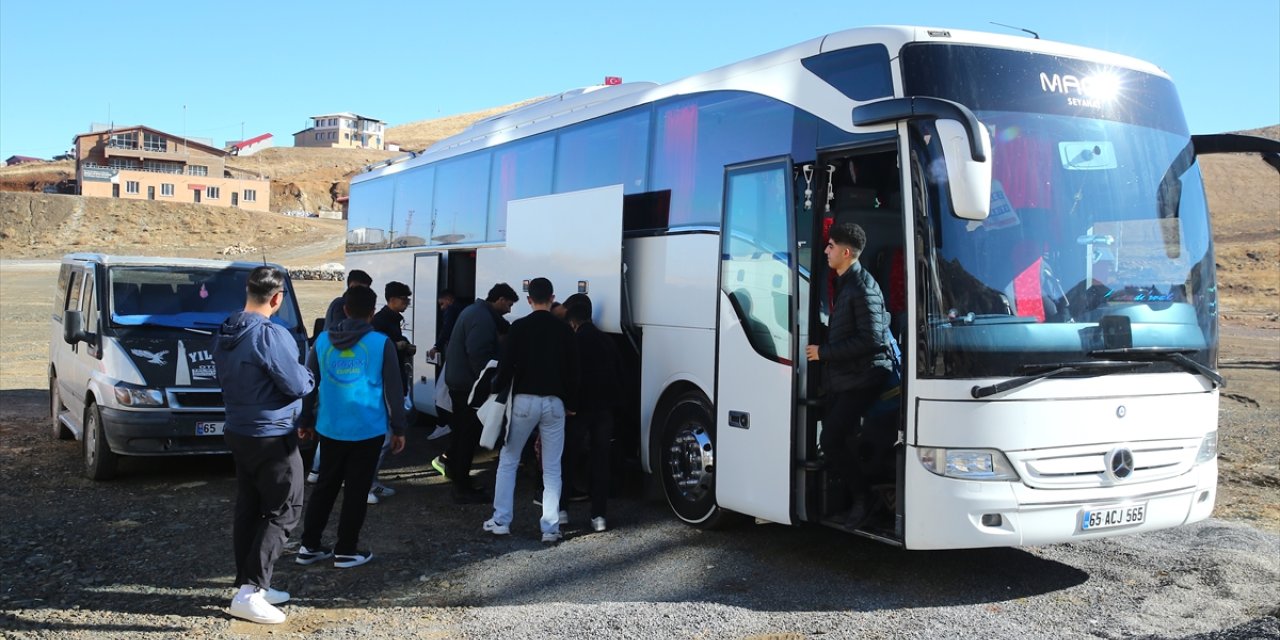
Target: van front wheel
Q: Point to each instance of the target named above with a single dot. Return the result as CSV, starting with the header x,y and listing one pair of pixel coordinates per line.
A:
x,y
99,460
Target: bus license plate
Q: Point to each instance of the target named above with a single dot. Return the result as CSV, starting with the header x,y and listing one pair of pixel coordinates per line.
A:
x,y
209,428
1123,515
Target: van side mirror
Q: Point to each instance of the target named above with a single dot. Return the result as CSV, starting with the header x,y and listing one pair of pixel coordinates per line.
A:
x,y
73,327
965,143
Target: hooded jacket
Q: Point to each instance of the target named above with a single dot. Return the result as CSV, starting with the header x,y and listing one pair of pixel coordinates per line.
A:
x,y
359,394
262,380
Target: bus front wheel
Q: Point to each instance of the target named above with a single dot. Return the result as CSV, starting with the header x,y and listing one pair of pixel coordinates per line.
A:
x,y
687,462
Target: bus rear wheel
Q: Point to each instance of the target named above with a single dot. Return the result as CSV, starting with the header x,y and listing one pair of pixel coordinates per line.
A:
x,y
687,462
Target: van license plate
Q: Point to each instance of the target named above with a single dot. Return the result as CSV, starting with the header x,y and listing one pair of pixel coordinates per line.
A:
x,y
1123,515
209,428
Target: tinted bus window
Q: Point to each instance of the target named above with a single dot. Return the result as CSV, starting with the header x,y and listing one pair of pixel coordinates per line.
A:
x,y
602,152
520,170
412,218
695,138
861,73
461,205
369,215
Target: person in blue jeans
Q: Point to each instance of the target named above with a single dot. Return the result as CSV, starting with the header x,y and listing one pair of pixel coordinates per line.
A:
x,y
540,365
358,398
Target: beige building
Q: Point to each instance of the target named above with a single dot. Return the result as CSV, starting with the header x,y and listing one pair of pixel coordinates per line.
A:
x,y
142,163
344,130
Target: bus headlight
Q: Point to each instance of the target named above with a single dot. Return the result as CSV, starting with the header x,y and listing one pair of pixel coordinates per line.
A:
x,y
131,396
1208,448
967,464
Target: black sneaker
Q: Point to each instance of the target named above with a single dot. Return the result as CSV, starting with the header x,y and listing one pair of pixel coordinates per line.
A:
x,y
348,560
311,556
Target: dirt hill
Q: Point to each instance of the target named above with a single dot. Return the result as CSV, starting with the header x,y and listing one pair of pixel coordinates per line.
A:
x,y
423,133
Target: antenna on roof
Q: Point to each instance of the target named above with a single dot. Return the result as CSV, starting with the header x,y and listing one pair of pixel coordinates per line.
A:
x,y
1009,26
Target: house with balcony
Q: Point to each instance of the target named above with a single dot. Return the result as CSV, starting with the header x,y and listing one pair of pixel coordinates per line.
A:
x,y
343,130
142,163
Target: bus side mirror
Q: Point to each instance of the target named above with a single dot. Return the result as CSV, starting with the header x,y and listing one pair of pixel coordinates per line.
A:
x,y
965,143
73,327
969,179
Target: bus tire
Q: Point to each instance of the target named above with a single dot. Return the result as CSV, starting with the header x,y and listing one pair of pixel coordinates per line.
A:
x,y
60,431
687,462
99,460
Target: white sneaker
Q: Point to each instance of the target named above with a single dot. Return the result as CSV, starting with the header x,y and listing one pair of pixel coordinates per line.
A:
x,y
597,524
551,538
313,477
346,561
564,517
382,490
274,596
496,529
441,431
255,608
373,499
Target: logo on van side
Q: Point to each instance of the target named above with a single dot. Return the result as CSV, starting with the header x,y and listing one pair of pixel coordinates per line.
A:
x,y
153,357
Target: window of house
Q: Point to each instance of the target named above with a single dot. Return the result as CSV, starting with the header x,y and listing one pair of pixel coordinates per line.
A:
x,y
317,135
250,195
166,189
153,142
211,193
198,170
124,140
160,166
131,186
122,163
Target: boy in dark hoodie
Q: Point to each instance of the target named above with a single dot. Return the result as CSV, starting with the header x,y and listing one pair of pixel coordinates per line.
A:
x,y
262,386
358,398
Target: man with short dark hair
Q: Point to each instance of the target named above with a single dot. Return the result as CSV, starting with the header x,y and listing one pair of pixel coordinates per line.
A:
x,y
262,386
540,365
357,278
389,321
358,400
450,308
857,363
473,344
589,432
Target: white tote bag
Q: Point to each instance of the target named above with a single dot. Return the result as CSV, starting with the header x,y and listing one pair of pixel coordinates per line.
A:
x,y
493,416
442,392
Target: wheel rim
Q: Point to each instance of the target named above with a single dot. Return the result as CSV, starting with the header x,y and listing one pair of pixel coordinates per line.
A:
x,y
91,439
691,462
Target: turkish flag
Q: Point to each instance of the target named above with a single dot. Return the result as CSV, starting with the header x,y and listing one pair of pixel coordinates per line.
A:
x,y
611,80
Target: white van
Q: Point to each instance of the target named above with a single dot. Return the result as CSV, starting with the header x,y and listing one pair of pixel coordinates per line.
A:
x,y
130,354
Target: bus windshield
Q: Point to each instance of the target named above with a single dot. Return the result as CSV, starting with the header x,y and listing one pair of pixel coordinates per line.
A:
x,y
1098,236
182,297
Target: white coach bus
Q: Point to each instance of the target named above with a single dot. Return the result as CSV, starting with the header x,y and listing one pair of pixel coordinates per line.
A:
x,y
1035,217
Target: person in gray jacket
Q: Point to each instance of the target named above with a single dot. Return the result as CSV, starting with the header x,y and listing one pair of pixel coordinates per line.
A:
x,y
263,384
473,344
857,363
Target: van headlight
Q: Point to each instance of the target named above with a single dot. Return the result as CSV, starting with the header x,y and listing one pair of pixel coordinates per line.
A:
x,y
1208,448
967,464
128,395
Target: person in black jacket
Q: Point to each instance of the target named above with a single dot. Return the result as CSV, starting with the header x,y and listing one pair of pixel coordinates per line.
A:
x,y
591,429
857,363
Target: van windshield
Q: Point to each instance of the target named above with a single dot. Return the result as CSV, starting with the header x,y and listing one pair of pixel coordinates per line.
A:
x,y
182,297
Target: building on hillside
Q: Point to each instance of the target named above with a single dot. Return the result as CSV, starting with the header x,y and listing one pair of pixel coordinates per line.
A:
x,y
249,146
12,160
343,130
142,163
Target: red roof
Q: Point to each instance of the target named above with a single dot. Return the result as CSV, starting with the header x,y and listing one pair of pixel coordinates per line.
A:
x,y
22,159
250,142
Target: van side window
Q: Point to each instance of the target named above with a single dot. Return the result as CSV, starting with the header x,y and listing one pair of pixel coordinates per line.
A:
x,y
60,299
90,306
73,291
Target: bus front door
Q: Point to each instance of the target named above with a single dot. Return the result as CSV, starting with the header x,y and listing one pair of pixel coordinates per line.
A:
x,y
755,378
426,279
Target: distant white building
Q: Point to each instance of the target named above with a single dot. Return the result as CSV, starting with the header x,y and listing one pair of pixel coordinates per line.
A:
x,y
250,146
345,130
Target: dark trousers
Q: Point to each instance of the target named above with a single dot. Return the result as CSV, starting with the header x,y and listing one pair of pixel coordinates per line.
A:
x,y
348,465
587,437
466,437
268,502
851,453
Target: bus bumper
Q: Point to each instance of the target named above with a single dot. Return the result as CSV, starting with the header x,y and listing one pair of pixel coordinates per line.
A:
x,y
947,513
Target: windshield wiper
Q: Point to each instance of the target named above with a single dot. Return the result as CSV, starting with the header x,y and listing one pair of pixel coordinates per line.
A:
x,y
1163,354
1088,368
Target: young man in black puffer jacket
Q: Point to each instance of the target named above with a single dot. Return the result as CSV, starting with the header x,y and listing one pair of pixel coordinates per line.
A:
x,y
857,362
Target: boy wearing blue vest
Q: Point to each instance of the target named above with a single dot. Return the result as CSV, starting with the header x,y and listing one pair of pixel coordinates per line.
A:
x,y
358,398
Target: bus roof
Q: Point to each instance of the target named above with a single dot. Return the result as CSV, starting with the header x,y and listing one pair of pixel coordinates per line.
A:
x,y
756,75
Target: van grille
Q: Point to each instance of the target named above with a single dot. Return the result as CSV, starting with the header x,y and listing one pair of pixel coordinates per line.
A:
x,y
189,399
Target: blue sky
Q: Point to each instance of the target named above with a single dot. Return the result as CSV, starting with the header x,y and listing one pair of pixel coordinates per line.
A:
x,y
266,65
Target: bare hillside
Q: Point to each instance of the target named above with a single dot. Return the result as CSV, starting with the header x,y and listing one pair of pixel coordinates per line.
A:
x,y
423,133
306,179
